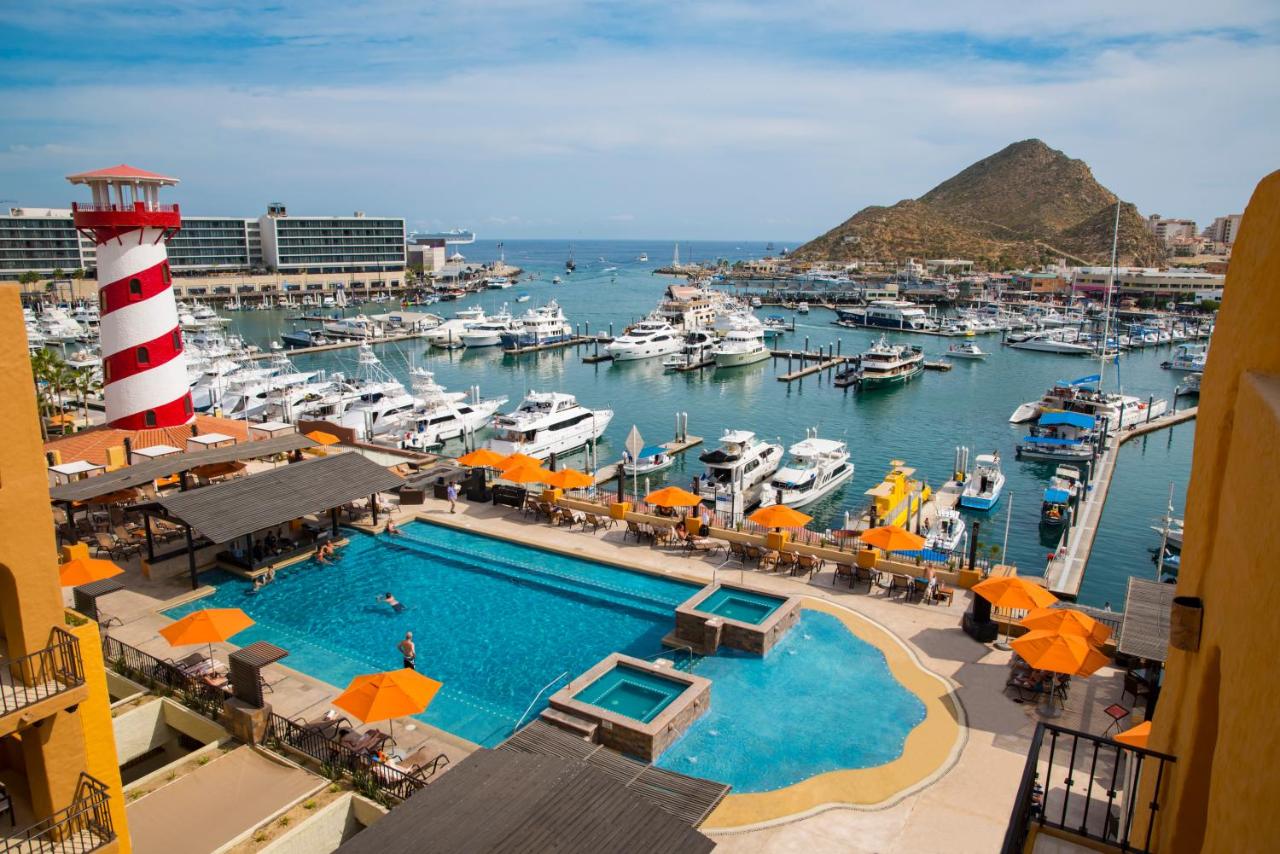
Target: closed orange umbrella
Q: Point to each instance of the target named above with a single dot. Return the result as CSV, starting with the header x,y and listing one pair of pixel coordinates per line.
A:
x,y
1067,622
482,458
780,516
526,473
209,625
569,479
386,696
513,460
1136,736
320,437
892,538
672,496
86,570
1059,653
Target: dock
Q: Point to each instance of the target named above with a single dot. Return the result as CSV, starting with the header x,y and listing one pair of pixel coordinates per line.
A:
x,y
341,345
1065,573
825,359
606,473
938,366
697,366
575,341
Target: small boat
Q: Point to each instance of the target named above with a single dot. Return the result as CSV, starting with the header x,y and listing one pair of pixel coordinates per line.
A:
x,y
756,302
966,350
947,534
982,488
1189,387
1060,437
570,265
802,308
653,458
522,298
1174,536
1056,505
555,280
1187,357
643,257
304,338
816,468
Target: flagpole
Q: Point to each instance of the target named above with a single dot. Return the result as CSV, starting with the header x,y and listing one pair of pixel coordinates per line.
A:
x,y
1106,307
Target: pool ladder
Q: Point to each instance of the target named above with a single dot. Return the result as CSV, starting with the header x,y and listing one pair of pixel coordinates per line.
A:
x,y
535,699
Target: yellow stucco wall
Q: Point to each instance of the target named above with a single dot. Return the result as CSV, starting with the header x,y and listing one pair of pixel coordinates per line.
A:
x,y
58,749
1217,709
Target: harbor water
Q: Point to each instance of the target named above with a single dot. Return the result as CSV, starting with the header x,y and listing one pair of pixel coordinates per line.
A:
x,y
920,423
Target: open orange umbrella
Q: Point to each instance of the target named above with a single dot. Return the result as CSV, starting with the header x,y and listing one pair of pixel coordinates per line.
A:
x,y
1136,736
83,569
482,458
569,479
1059,653
780,516
672,496
892,538
1014,592
526,473
386,696
209,625
320,437
1067,622
513,460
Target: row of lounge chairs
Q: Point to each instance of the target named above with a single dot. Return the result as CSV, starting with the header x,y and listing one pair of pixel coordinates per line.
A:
x,y
376,746
890,584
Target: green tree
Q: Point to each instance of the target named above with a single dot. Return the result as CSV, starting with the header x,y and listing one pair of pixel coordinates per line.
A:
x,y
1210,305
29,278
58,274
78,273
85,384
46,368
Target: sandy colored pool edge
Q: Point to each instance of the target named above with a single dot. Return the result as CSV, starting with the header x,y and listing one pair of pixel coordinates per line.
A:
x,y
931,748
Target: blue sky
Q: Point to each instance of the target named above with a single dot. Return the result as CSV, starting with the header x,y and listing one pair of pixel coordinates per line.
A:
x,y
725,119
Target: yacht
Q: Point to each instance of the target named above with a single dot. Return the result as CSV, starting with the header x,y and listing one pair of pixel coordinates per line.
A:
x,y
947,533
1060,437
645,340
382,401
522,297
547,423
816,468
653,458
246,394
888,314
775,326
1064,341
358,326
695,350
1188,357
738,470
884,364
642,257
304,338
1190,386
966,350
756,302
441,415
544,325
498,283
802,308
475,312
489,332
555,280
1119,410
735,320
1056,505
982,488
741,347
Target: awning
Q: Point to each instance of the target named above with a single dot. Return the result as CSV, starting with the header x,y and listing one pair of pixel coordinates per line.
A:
x,y
1051,440
652,451
1070,419
1057,496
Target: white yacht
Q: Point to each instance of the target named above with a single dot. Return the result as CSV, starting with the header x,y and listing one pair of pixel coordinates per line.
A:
x,y
1120,410
965,350
358,326
883,364
1188,357
802,307
443,415
449,333
738,471
645,340
498,283
888,314
983,486
382,401
247,392
695,350
544,325
816,468
545,423
489,332
741,347
947,533
1064,341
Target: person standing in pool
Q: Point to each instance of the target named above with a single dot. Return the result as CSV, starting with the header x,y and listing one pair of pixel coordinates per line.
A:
x,y
394,603
408,650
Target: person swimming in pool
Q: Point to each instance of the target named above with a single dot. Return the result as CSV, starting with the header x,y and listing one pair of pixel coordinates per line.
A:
x,y
396,605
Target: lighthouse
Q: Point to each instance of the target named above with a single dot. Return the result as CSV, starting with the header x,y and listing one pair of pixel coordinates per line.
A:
x,y
144,368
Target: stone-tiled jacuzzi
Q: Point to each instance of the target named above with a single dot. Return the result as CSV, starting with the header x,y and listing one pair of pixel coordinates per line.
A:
x,y
735,616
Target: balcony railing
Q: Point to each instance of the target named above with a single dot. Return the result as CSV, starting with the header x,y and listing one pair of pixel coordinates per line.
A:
x,y
78,207
1088,786
83,826
42,674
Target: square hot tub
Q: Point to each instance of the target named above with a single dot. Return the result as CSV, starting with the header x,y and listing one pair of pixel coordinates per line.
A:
x,y
735,616
640,707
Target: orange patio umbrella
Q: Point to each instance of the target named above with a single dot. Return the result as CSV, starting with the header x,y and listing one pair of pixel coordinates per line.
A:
x,y
780,516
1059,653
891,538
526,473
1136,736
386,696
83,569
569,479
119,496
209,625
1014,592
513,460
672,496
320,437
1067,622
482,458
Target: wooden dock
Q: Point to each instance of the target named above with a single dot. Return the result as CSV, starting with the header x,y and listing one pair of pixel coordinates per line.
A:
x,y
608,472
697,366
1065,573
339,345
824,365
938,366
825,359
575,341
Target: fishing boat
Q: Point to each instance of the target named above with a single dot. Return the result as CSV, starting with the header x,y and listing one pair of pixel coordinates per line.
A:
x,y
382,398
741,347
948,532
816,468
570,265
645,340
737,471
1055,507
651,459
1061,437
442,415
545,423
983,486
886,364
965,350
1187,357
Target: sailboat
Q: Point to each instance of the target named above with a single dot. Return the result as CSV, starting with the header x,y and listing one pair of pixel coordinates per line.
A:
x,y
570,265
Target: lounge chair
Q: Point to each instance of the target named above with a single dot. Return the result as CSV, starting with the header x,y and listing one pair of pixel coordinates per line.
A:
x,y
899,581
809,564
371,742
570,517
862,573
843,570
789,561
108,546
634,529
942,591
331,726
663,535
597,522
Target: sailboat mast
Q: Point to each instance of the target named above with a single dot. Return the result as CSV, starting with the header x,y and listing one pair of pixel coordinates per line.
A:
x,y
1106,308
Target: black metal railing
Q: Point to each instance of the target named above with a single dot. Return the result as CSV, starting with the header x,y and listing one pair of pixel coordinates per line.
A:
x,y
368,774
163,676
83,826
42,674
1089,786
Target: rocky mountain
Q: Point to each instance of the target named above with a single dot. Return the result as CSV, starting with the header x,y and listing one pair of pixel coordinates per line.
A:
x,y
1026,204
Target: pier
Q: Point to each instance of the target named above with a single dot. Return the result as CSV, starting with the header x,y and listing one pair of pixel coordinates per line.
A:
x,y
574,341
341,345
825,359
1065,573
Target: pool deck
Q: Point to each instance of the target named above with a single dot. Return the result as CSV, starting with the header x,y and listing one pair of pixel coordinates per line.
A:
x,y
959,786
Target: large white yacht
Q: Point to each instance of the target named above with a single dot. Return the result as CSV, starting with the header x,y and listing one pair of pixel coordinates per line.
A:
x,y
383,401
1119,410
443,415
816,468
741,347
1065,341
546,423
741,466
695,350
888,314
883,364
247,390
489,332
544,325
646,340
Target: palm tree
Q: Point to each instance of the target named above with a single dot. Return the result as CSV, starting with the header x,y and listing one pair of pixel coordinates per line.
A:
x,y
85,383
43,370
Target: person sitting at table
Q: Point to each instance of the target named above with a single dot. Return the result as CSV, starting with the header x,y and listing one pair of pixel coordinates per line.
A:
x,y
272,543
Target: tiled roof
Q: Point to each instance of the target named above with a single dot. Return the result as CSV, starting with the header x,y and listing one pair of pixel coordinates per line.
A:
x,y
121,171
92,444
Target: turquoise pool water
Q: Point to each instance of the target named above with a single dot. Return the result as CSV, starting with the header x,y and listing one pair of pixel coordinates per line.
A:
x,y
630,691
496,621
745,606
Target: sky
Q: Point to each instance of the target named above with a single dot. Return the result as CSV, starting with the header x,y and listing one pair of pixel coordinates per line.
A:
x,y
648,118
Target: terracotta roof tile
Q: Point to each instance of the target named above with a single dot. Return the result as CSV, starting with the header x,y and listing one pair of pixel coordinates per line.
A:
x,y
92,444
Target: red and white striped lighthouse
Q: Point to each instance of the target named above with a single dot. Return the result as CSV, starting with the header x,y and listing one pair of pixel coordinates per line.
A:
x,y
144,369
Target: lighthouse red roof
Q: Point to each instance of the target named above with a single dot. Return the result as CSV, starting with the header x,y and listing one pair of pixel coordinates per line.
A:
x,y
122,172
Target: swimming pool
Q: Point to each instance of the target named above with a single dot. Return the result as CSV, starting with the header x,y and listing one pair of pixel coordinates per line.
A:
x,y
745,606
496,622
631,691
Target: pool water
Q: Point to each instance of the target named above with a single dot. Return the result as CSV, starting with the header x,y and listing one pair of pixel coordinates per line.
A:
x,y
745,606
630,691
496,622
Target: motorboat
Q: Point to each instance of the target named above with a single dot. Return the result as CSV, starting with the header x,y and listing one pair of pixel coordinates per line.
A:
x,y
1190,386
442,415
474,312
1061,437
304,338
756,302
358,326
737,471
544,325
645,340
642,257
1187,357
652,458
449,333
885,364
983,486
948,532
741,347
802,308
498,283
965,350
888,314
1173,536
1064,488
815,468
382,402
555,280
1062,341
489,332
545,423
695,351
1079,395
247,392
522,297
775,326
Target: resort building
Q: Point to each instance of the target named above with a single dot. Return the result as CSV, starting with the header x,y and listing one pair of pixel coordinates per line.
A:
x,y
1168,230
1178,284
59,775
1224,229
41,240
